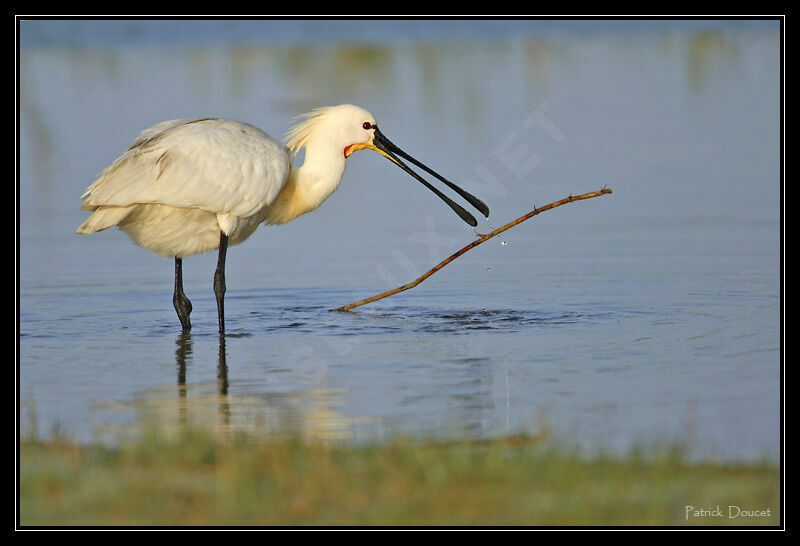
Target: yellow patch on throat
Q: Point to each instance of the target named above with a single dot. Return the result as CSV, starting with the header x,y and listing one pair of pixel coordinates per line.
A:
x,y
366,146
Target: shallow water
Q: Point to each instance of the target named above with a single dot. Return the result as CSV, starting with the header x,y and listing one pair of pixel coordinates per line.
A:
x,y
649,315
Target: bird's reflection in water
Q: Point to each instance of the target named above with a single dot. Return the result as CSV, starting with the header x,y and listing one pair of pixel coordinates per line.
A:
x,y
222,383
310,411
183,352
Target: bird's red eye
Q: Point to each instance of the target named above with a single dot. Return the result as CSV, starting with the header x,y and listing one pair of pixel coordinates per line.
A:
x,y
366,125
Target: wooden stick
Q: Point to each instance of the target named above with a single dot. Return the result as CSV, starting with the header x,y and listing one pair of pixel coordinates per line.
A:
x,y
473,244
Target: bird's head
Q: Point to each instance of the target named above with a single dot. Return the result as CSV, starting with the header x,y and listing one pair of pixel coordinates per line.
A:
x,y
350,128
332,127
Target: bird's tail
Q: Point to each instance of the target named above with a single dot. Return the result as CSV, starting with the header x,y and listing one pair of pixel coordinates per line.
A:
x,y
104,218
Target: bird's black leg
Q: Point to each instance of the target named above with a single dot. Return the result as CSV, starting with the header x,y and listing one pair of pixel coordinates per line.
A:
x,y
182,304
219,281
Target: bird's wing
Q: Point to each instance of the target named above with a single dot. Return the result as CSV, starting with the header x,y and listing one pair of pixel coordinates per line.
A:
x,y
218,165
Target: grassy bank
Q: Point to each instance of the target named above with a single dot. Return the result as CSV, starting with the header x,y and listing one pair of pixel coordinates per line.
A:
x,y
198,479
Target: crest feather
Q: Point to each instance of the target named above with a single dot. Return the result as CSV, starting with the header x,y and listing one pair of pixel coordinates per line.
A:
x,y
297,137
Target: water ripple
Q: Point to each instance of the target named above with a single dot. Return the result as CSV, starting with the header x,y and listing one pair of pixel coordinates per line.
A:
x,y
416,319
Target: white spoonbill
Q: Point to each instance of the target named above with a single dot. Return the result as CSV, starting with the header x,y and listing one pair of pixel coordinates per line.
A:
x,y
187,186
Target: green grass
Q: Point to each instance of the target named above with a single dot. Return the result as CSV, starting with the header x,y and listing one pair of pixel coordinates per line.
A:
x,y
198,479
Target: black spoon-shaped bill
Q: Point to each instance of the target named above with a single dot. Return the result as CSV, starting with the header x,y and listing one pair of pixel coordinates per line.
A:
x,y
384,146
384,143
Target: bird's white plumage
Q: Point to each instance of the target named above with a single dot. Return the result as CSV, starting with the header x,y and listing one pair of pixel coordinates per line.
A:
x,y
188,175
184,181
214,164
